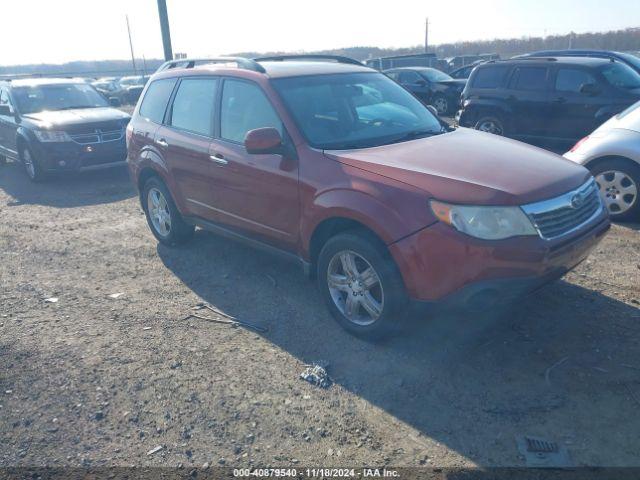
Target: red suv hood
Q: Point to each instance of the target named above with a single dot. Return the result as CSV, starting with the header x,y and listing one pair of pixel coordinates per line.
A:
x,y
466,166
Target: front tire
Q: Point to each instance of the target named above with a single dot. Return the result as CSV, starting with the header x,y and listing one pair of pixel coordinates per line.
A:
x,y
619,183
361,284
441,104
31,165
163,217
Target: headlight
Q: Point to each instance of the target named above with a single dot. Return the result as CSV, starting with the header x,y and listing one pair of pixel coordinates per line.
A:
x,y
51,136
488,223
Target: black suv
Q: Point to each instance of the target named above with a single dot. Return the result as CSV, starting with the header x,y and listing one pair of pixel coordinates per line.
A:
x,y
59,125
431,86
556,100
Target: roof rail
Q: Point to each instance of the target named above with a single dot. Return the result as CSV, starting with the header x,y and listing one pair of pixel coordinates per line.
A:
x,y
241,62
547,59
284,58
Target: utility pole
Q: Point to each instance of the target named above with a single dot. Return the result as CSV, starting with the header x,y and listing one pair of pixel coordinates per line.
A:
x,y
133,58
426,36
164,28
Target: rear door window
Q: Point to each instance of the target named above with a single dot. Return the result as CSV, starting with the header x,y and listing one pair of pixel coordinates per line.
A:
x,y
529,78
154,103
245,107
572,79
193,105
490,77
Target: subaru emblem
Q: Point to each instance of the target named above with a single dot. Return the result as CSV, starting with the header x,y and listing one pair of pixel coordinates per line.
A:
x,y
577,200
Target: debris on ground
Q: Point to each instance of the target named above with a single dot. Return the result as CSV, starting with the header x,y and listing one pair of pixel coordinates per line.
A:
x,y
115,295
547,373
155,450
316,374
51,300
228,319
539,452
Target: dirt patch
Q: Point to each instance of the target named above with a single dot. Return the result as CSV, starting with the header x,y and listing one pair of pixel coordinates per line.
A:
x,y
95,380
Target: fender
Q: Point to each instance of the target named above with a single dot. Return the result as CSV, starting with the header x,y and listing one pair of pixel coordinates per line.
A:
x,y
364,207
25,135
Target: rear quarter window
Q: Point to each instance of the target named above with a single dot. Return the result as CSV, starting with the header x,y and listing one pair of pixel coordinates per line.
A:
x,y
490,77
155,100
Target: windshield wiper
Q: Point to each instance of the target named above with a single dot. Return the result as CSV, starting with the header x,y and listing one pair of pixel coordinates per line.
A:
x,y
414,134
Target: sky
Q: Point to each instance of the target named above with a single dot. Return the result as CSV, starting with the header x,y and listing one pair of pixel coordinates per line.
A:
x,y
58,31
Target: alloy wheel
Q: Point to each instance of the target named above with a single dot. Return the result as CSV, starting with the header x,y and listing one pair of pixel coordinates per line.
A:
x,y
355,287
490,126
618,191
442,106
29,166
159,212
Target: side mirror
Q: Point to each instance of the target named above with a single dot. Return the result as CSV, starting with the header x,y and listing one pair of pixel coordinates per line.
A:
x,y
5,110
263,140
589,89
421,83
433,110
114,101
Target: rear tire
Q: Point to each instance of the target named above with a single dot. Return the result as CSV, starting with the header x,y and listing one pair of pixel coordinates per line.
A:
x,y
618,180
31,165
163,217
361,284
490,123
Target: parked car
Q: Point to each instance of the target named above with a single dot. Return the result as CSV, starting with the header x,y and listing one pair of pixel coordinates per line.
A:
x,y
59,125
454,63
463,73
108,88
131,88
627,58
431,86
385,212
557,100
612,153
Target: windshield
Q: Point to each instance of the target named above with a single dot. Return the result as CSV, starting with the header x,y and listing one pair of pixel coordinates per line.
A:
x,y
621,76
434,75
355,110
57,97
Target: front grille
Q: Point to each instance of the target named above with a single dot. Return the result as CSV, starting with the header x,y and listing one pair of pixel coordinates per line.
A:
x,y
566,213
98,136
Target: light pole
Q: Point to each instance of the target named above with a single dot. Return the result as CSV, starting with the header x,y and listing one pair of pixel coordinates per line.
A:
x,y
164,28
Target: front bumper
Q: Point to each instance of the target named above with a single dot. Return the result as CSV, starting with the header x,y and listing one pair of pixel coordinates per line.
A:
x,y
71,156
439,264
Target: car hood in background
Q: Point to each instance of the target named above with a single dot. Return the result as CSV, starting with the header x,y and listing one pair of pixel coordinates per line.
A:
x,y
466,166
78,117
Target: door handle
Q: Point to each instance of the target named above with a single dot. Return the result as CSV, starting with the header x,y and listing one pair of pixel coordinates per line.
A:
x,y
219,158
560,100
162,142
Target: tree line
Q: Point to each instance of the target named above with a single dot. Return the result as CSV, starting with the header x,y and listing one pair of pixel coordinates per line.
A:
x,y
627,40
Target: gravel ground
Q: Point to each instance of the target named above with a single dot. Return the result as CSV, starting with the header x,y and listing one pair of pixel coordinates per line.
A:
x,y
92,380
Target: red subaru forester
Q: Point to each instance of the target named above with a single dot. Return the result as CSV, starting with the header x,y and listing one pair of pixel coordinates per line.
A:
x,y
338,167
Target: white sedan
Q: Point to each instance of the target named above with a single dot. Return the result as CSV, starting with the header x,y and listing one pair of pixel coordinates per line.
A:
x,y
612,153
